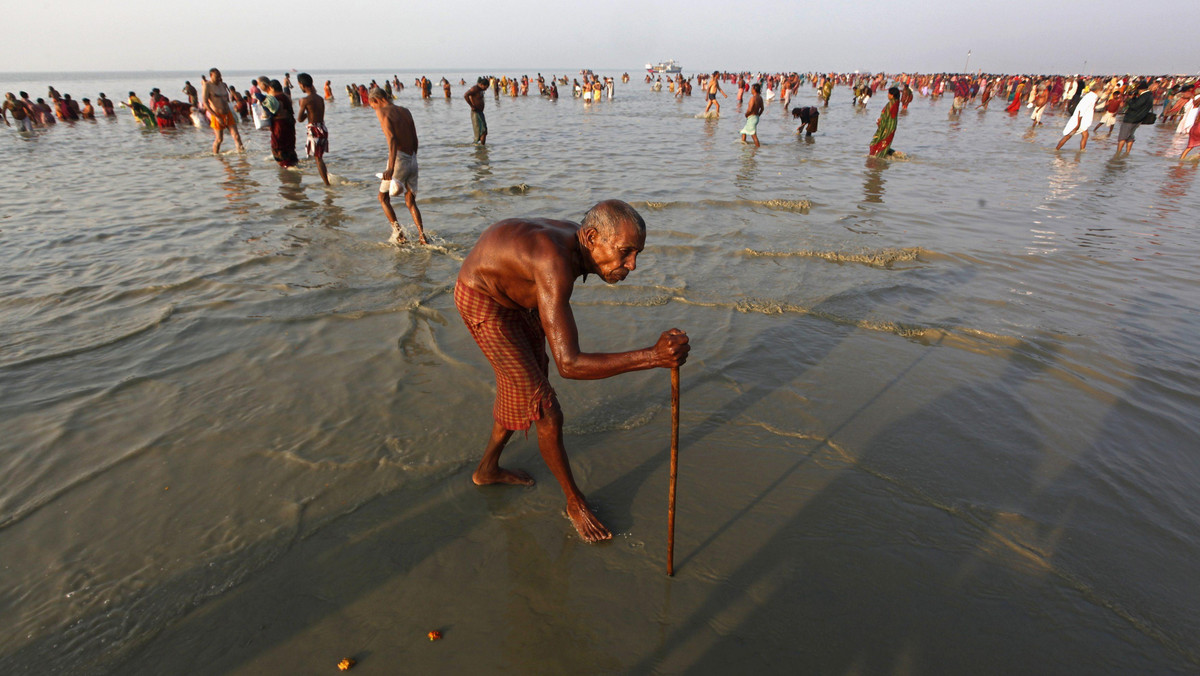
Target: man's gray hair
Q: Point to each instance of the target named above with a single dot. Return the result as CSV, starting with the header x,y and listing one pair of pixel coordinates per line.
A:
x,y
606,216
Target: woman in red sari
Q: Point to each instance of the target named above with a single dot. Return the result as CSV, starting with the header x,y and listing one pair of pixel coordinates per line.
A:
x,y
1015,104
1194,134
881,143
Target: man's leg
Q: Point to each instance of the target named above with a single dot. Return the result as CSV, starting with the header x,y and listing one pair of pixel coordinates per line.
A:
x,y
218,136
321,170
237,139
386,202
549,432
490,471
1083,140
410,200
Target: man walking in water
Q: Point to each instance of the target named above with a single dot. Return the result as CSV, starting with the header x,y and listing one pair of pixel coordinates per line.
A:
x,y
1081,120
401,172
312,110
513,293
753,111
220,117
1138,110
474,97
22,115
713,86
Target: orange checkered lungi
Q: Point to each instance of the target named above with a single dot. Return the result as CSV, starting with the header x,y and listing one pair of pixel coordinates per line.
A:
x,y
515,344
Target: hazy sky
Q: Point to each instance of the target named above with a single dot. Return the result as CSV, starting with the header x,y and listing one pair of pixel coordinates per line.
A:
x,y
523,35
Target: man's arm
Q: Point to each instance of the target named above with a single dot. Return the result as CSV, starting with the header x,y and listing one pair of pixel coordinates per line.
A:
x,y
390,135
303,114
558,322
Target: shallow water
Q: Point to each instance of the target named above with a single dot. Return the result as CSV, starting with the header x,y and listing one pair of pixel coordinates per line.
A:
x,y
940,414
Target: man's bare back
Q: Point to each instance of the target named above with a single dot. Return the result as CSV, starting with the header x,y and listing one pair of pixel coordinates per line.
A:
x,y
524,270
507,260
398,128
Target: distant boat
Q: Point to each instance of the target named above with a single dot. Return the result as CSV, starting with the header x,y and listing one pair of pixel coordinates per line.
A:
x,y
669,67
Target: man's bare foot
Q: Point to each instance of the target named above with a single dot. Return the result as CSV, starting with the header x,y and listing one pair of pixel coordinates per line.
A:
x,y
586,523
423,241
397,237
514,477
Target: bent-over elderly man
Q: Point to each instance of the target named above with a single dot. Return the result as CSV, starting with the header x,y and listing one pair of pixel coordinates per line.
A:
x,y
514,292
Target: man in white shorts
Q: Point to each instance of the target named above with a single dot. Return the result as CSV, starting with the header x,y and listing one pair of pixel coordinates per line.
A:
x,y
401,173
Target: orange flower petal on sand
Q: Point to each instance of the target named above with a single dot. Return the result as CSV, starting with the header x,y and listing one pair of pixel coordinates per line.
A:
x,y
435,635
346,664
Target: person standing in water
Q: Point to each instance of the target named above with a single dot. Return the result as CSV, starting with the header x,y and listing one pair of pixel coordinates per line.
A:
x,y
881,143
474,98
513,293
753,110
312,110
1137,112
401,172
220,116
1040,100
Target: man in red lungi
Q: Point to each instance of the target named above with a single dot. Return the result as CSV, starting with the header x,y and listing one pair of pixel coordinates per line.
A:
x,y
513,293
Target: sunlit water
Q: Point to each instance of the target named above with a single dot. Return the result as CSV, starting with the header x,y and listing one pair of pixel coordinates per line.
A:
x,y
941,414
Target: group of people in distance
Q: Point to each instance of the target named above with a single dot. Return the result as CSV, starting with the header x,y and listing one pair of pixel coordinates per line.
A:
x,y
29,115
1134,98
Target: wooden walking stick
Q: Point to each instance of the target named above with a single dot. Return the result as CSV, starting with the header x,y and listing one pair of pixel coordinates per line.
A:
x,y
674,470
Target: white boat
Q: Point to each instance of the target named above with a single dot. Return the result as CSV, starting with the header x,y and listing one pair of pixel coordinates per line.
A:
x,y
669,67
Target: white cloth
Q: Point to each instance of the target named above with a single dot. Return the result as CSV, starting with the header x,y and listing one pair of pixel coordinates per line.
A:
x,y
1083,115
1188,118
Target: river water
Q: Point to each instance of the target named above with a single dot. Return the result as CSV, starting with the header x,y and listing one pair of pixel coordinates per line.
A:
x,y
940,416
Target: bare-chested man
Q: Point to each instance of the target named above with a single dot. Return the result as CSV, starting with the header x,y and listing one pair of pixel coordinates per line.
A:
x,y
474,98
220,116
22,115
713,87
401,172
513,293
312,110
1039,104
106,105
190,92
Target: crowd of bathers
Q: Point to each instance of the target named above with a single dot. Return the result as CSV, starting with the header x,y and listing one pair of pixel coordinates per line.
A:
x,y
1175,99
1138,100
